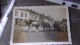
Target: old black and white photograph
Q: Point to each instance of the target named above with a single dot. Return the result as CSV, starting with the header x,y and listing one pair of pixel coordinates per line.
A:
x,y
32,24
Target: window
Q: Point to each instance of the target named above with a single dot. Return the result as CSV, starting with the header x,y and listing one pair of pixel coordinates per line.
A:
x,y
25,14
29,13
16,13
21,14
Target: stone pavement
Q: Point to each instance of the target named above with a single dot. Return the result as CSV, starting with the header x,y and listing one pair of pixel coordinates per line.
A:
x,y
34,35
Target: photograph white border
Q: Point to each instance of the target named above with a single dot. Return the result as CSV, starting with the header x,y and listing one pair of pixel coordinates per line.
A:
x,y
39,43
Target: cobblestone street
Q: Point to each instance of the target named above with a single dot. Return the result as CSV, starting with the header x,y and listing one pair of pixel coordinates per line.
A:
x,y
39,36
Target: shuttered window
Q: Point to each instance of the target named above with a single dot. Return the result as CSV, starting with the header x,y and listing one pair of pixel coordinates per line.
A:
x,y
25,14
16,13
21,14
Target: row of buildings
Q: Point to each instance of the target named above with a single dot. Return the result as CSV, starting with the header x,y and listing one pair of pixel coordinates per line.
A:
x,y
23,15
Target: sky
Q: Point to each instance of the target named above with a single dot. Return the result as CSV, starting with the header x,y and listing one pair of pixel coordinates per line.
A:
x,y
56,13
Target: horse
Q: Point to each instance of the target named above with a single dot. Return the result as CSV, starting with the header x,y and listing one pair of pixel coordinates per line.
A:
x,y
45,25
56,26
36,24
63,26
29,23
